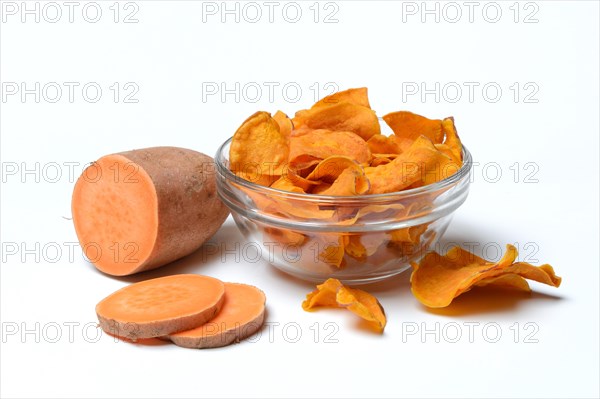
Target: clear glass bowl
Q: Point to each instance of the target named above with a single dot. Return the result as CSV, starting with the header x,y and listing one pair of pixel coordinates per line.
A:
x,y
356,239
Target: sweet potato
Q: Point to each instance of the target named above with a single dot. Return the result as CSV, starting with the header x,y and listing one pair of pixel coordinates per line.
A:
x,y
141,209
161,306
242,314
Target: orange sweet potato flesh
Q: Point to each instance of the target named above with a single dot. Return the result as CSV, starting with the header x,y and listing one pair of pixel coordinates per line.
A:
x,y
141,209
242,314
161,306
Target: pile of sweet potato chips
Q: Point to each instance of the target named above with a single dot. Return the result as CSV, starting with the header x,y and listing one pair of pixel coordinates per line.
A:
x,y
336,149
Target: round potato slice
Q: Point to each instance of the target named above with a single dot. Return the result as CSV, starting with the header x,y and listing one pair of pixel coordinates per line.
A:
x,y
243,314
161,306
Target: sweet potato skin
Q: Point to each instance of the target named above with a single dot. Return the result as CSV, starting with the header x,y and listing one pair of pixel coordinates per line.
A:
x,y
188,207
190,211
217,341
135,331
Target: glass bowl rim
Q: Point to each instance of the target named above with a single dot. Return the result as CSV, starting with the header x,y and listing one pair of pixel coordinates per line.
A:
x,y
430,188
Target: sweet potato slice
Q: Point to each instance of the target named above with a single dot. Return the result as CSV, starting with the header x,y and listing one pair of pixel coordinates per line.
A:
x,y
141,209
242,314
161,306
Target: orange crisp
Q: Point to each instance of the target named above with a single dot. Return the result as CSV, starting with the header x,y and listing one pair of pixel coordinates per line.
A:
x,y
438,279
332,293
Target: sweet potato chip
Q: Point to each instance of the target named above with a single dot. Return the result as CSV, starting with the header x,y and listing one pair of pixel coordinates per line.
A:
x,y
297,180
323,143
342,116
329,248
380,144
401,142
256,177
357,96
288,207
285,184
329,169
410,126
284,122
324,295
446,150
349,182
320,188
542,274
259,143
452,141
361,246
410,235
422,162
363,304
506,281
380,159
366,212
332,293
298,209
303,164
438,279
284,236
354,247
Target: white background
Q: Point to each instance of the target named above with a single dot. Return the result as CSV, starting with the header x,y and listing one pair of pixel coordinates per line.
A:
x,y
173,54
